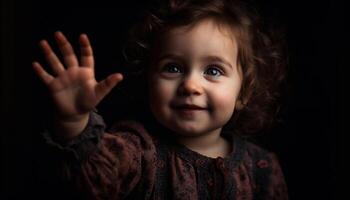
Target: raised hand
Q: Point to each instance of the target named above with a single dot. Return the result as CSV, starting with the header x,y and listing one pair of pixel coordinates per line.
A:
x,y
73,86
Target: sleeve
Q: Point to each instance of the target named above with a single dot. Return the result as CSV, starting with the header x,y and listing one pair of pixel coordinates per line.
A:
x,y
100,165
270,179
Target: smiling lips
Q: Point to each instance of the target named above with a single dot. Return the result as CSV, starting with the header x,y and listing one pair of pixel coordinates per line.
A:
x,y
188,110
188,107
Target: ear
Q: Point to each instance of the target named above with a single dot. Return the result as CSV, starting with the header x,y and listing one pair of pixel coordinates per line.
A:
x,y
239,104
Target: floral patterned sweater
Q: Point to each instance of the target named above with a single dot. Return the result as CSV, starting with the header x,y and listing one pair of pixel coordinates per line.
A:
x,y
130,163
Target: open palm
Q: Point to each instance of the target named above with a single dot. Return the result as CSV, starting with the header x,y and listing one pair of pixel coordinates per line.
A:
x,y
74,88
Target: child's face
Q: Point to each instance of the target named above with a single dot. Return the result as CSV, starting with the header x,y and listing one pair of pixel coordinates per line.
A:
x,y
194,79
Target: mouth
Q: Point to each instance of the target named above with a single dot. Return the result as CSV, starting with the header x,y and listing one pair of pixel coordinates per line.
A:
x,y
189,111
189,107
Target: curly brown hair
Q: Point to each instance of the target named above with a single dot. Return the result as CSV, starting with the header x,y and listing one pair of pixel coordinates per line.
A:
x,y
261,53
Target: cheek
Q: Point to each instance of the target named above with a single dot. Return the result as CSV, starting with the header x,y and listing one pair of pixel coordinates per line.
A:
x,y
224,98
160,89
160,93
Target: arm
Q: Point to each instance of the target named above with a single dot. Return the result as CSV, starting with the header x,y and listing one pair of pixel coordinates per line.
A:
x,y
278,188
99,165
270,179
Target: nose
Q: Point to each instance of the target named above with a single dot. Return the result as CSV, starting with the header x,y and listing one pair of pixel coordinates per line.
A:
x,y
190,85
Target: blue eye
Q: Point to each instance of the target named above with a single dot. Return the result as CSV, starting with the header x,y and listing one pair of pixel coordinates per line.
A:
x,y
171,68
213,71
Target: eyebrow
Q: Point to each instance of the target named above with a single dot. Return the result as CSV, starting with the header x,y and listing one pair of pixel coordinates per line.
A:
x,y
170,56
218,59
211,58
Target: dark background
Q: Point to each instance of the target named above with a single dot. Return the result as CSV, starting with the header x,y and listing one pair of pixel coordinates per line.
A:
x,y
309,142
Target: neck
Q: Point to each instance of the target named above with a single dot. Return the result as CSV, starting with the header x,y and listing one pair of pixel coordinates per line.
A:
x,y
211,144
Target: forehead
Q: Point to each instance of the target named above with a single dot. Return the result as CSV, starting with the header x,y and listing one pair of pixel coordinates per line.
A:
x,y
210,25
204,37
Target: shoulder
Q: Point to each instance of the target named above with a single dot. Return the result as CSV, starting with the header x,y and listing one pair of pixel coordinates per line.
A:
x,y
129,127
266,171
256,151
257,156
134,132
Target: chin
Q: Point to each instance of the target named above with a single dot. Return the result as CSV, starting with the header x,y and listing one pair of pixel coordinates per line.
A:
x,y
189,130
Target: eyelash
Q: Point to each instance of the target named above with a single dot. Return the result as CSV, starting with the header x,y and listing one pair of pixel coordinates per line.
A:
x,y
216,68
173,68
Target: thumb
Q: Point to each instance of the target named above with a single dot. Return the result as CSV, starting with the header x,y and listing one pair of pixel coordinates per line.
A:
x,y
106,85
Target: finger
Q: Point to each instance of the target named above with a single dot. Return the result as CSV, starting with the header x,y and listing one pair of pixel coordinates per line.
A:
x,y
67,51
43,75
87,58
105,86
51,57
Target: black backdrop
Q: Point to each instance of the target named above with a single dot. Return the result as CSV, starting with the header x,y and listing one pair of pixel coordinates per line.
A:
x,y
309,142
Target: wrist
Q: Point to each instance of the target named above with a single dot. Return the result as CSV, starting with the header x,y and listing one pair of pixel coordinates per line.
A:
x,y
66,129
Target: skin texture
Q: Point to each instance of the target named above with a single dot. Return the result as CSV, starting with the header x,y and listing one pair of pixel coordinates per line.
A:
x,y
72,86
194,83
